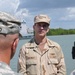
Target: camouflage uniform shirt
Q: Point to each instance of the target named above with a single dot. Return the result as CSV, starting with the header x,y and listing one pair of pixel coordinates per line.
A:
x,y
6,70
34,62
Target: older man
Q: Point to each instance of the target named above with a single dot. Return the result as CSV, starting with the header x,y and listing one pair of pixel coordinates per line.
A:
x,y
9,37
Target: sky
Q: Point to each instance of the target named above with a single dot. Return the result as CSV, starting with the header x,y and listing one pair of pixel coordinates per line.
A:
x,y
61,12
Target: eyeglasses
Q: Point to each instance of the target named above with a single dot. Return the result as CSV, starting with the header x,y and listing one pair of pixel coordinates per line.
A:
x,y
44,25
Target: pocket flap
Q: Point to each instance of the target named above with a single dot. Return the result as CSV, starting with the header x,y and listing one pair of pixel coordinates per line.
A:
x,y
53,61
31,61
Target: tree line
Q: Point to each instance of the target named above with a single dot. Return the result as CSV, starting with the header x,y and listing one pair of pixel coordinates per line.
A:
x,y
60,31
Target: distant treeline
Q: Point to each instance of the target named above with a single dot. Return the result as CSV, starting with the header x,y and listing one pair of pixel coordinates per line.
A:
x,y
60,31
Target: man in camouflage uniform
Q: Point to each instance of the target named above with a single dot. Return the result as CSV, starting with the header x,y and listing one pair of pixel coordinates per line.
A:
x,y
41,56
9,37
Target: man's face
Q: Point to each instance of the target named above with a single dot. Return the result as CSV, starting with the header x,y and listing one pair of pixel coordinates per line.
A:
x,y
41,29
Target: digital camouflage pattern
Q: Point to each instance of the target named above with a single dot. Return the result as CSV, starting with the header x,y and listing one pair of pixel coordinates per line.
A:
x,y
6,70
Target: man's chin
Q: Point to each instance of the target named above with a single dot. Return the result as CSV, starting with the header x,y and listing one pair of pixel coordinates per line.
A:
x,y
41,35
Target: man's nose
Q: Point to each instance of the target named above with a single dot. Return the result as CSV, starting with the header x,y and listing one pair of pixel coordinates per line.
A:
x,y
41,27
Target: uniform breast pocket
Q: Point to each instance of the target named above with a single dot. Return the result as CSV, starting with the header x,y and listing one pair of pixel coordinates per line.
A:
x,y
31,67
52,65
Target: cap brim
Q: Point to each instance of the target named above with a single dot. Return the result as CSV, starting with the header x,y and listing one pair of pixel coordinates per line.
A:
x,y
41,21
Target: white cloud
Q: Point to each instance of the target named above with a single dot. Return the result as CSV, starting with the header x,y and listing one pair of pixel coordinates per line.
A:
x,y
69,14
15,5
71,10
60,12
9,5
22,13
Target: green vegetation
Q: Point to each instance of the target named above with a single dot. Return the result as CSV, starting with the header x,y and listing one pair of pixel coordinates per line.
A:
x,y
60,31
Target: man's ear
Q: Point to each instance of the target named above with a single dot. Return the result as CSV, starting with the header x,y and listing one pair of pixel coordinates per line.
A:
x,y
15,44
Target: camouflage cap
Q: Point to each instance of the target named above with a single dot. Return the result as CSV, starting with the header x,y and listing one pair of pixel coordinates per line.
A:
x,y
42,18
9,24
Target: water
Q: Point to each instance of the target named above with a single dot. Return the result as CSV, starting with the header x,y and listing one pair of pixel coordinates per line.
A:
x,y
65,41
